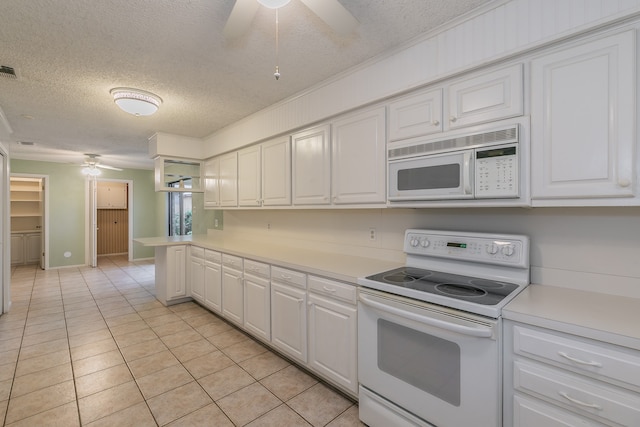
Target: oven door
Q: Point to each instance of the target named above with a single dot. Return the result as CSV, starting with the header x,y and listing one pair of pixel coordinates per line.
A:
x,y
444,176
438,364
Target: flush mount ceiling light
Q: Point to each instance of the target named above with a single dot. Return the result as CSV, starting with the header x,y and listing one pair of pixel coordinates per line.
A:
x,y
273,4
135,101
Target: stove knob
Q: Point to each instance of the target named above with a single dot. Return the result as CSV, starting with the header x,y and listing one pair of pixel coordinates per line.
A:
x,y
425,243
414,242
492,249
508,250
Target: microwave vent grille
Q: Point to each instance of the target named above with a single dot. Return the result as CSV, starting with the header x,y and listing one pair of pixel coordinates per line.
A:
x,y
493,137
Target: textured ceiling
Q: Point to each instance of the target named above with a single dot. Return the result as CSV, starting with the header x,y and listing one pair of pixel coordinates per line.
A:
x,y
70,53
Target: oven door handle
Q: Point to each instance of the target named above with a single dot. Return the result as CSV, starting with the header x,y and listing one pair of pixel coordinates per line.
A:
x,y
465,330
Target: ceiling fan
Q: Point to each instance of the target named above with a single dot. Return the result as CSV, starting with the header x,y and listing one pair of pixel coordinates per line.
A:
x,y
91,165
330,11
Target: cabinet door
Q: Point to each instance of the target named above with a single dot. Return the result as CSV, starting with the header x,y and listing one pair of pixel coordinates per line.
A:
x,y
211,179
358,146
257,306
112,195
495,95
249,176
333,340
312,166
416,115
533,413
276,172
33,242
229,179
289,320
232,295
213,286
176,272
583,109
197,278
17,249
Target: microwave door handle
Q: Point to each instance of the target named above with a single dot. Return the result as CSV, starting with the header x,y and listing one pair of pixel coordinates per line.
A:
x,y
465,330
467,172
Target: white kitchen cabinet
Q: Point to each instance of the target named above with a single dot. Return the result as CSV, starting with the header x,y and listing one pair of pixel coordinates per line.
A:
x,y
213,280
112,195
196,276
289,312
559,378
333,332
358,158
485,97
17,249
311,163
171,274
211,183
415,115
276,172
257,299
249,176
232,289
583,140
228,182
25,248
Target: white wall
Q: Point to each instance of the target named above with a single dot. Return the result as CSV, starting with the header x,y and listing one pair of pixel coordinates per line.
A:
x,y
595,249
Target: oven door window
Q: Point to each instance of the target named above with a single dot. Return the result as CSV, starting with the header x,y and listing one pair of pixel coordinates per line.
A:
x,y
429,177
405,353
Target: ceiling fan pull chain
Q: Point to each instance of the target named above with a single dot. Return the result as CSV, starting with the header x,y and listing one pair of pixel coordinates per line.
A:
x,y
277,73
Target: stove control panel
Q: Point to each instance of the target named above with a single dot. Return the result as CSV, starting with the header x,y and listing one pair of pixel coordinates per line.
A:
x,y
502,249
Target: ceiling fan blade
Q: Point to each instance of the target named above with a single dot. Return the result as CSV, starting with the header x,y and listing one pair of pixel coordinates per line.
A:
x,y
334,14
240,19
108,167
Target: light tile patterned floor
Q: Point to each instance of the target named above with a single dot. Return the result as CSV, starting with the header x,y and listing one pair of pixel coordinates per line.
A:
x,y
93,347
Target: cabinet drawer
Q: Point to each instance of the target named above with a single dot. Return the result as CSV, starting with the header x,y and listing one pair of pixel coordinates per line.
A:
x,y
291,277
332,288
256,268
580,394
232,261
600,360
213,256
534,413
197,252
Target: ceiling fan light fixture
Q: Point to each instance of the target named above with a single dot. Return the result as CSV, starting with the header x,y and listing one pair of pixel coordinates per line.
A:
x,y
91,170
135,101
274,4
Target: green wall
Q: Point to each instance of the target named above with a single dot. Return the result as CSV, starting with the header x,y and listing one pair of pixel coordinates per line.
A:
x,y
67,194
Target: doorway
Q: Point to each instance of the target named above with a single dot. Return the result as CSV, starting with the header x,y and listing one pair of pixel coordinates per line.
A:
x,y
29,219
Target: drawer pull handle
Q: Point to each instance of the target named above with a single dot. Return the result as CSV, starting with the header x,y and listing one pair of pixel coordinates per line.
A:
x,y
578,402
285,277
581,362
327,289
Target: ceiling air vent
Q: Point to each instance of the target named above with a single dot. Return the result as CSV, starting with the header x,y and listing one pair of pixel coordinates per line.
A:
x,y
8,72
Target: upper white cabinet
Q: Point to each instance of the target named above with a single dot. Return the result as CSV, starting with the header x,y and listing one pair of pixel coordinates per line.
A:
x,y
583,123
358,163
228,179
249,176
415,115
311,152
112,195
276,172
474,99
178,175
480,98
211,183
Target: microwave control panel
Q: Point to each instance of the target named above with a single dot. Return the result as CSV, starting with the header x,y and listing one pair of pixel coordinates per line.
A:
x,y
496,172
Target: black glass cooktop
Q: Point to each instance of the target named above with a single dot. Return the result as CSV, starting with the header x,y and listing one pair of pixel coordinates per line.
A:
x,y
471,289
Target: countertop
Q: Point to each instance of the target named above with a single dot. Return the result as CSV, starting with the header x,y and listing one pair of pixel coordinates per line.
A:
x,y
342,267
608,318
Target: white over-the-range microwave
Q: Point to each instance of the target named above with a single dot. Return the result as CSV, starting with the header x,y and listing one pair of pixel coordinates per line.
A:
x,y
485,165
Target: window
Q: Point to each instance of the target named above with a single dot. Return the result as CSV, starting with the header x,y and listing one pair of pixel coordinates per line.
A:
x,y
180,210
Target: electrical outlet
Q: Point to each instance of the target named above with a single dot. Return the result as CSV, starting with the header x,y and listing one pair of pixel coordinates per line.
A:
x,y
372,234
215,223
268,226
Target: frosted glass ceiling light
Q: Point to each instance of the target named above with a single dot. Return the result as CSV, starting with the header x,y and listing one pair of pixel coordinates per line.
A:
x,y
90,170
136,102
273,4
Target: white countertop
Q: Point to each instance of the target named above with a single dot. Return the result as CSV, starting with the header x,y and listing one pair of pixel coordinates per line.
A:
x,y
602,317
342,267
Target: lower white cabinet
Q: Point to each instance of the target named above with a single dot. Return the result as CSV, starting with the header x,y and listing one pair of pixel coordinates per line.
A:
x,y
196,276
171,274
25,248
333,331
213,280
232,289
289,312
556,379
257,299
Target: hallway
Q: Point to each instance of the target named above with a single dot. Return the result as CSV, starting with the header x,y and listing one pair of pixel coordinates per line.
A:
x,y
93,347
